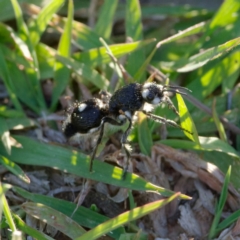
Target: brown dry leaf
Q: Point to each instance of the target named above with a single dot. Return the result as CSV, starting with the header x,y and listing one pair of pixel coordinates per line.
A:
x,y
206,172
188,221
236,229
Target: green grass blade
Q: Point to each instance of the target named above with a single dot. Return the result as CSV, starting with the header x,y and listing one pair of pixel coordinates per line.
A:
x,y
195,29
186,120
3,189
210,76
64,47
24,84
116,67
7,213
98,56
9,37
150,10
8,82
125,218
33,70
206,144
84,71
83,216
5,135
140,73
134,31
54,218
219,125
46,59
21,225
78,163
220,206
17,123
38,25
62,73
105,19
226,14
228,221
9,113
83,37
14,168
22,27
200,59
144,135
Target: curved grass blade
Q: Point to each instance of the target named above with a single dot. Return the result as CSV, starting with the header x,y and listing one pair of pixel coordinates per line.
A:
x,y
219,125
210,76
118,68
186,120
54,218
46,59
125,218
25,87
206,144
32,70
83,37
5,135
3,189
228,221
195,29
85,71
4,73
134,30
202,58
37,26
21,225
220,205
14,168
98,56
9,113
10,37
62,73
150,10
83,216
144,135
140,73
39,154
7,212
105,21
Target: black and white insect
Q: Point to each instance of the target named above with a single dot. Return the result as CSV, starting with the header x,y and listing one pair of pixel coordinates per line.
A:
x,y
85,117
91,115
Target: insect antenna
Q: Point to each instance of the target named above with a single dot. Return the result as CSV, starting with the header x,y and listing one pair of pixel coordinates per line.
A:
x,y
175,91
176,87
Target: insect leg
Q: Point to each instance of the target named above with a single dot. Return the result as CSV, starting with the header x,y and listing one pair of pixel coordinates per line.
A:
x,y
104,120
125,146
167,100
165,121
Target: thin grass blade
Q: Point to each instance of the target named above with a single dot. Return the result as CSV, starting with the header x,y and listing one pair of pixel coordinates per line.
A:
x,y
37,26
125,218
62,73
186,120
105,18
54,218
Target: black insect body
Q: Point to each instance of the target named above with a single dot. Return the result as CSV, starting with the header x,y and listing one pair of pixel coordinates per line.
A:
x,y
126,101
85,117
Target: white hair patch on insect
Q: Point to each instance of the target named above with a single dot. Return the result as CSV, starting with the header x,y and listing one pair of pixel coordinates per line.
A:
x,y
145,93
93,130
81,107
147,107
66,122
156,100
128,114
